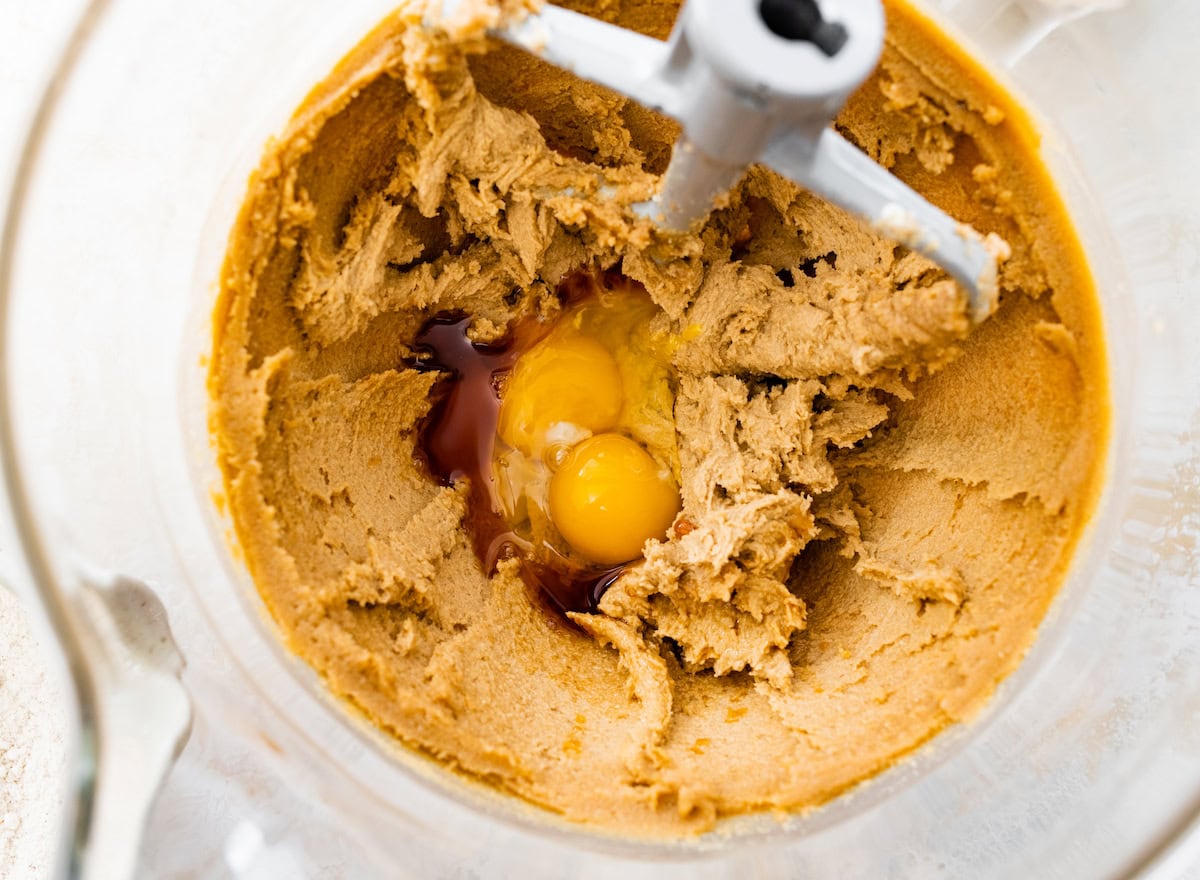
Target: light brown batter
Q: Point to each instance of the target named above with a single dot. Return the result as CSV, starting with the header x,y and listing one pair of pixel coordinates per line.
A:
x,y
879,501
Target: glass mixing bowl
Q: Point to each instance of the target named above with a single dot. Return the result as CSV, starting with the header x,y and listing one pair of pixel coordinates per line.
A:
x,y
1086,763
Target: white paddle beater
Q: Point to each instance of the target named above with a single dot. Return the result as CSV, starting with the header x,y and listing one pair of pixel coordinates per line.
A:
x,y
761,81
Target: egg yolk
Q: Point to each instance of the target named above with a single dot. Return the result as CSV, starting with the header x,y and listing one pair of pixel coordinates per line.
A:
x,y
609,496
566,378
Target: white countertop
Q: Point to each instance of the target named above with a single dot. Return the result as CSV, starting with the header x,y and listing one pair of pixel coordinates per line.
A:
x,y
31,32
33,745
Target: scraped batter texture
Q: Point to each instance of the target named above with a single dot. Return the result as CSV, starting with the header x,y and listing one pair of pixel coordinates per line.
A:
x,y
879,501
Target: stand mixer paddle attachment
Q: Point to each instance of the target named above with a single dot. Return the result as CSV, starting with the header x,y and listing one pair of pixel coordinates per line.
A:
x,y
759,81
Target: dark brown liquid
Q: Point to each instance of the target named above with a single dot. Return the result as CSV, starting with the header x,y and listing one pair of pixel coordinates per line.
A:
x,y
458,441
566,588
459,438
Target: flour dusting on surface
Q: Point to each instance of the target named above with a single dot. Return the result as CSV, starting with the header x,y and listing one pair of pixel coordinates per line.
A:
x,y
32,749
